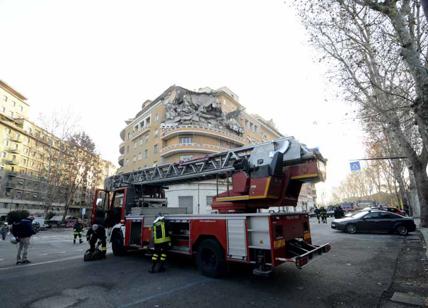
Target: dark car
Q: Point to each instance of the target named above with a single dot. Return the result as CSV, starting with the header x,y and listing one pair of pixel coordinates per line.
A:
x,y
375,221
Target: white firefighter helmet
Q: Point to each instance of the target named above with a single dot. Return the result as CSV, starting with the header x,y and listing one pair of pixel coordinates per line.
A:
x,y
159,217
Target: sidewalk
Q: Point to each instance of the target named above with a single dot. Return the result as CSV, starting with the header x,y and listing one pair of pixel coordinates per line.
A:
x,y
409,286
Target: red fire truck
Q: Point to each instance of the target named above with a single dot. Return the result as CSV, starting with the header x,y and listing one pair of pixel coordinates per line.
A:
x,y
246,224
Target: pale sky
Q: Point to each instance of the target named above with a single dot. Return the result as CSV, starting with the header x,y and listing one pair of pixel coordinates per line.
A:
x,y
102,59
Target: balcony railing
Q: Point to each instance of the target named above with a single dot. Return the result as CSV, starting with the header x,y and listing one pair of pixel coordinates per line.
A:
x,y
138,133
168,132
12,150
14,139
191,147
10,162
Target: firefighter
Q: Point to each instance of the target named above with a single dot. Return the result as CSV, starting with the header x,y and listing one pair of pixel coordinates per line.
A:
x,y
95,233
162,242
77,231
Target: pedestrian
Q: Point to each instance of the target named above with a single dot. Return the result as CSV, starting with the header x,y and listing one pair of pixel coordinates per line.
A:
x,y
341,212
323,214
317,213
4,230
162,242
22,231
77,231
95,233
337,212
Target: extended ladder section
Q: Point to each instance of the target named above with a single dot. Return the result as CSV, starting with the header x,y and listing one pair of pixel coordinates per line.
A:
x,y
218,165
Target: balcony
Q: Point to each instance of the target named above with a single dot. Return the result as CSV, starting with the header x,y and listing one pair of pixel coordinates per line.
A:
x,y
10,162
14,139
169,132
191,148
138,133
12,150
122,148
121,160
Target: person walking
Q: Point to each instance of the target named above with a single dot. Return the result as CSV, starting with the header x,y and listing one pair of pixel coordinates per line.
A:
x,y
22,231
4,230
77,231
162,242
317,213
323,214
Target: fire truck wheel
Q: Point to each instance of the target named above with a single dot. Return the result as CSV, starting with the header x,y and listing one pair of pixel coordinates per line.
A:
x,y
117,245
210,259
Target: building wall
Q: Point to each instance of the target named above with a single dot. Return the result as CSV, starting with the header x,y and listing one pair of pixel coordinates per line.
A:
x,y
164,143
12,103
200,193
187,141
26,152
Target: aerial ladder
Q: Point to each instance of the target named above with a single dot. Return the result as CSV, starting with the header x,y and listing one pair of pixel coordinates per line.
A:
x,y
245,225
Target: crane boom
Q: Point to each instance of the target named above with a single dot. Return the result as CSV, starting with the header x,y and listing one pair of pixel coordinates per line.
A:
x,y
216,165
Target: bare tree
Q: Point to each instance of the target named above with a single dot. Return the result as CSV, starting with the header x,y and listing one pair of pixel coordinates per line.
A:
x,y
81,169
378,52
59,127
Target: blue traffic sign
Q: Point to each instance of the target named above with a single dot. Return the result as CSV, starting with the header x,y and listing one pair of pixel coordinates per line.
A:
x,y
355,166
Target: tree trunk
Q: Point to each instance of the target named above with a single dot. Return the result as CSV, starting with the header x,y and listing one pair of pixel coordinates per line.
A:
x,y
421,182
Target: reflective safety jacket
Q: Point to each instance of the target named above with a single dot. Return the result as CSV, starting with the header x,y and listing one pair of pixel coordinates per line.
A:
x,y
160,233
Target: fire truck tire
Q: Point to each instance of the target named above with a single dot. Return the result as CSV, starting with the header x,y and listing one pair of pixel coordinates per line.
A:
x,y
117,245
210,259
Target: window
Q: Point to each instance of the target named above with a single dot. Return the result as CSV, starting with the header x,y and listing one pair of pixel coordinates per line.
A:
x,y
155,148
3,109
156,133
157,117
209,200
186,140
389,216
21,108
146,152
140,156
373,215
148,121
5,98
14,103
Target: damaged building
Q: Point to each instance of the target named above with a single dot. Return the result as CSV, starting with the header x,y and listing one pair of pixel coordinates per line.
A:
x,y
182,124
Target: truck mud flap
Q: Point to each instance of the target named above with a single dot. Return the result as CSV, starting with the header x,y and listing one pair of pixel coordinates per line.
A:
x,y
300,252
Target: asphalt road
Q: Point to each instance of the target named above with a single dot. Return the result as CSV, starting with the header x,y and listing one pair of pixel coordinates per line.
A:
x,y
353,274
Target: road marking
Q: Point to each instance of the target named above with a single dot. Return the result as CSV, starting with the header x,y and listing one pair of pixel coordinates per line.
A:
x,y
42,263
171,291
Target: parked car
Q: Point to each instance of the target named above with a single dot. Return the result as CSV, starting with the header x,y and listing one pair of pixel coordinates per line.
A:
x,y
375,221
36,226
42,224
